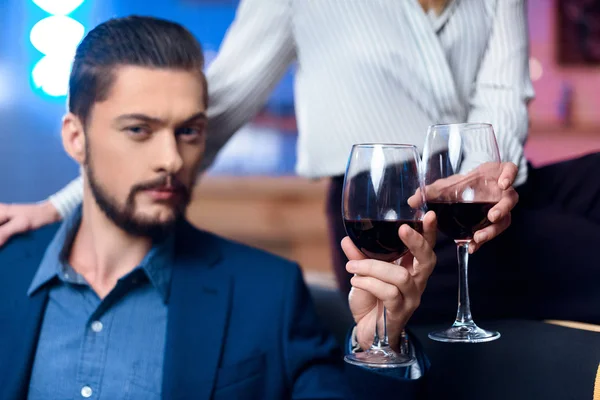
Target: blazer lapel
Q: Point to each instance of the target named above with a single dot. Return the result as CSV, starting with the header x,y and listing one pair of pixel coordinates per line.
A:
x,y
23,331
199,304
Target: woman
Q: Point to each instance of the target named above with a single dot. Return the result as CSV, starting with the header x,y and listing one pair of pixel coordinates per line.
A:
x,y
369,71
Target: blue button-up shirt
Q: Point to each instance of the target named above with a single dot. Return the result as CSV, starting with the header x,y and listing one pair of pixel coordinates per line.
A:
x,y
109,348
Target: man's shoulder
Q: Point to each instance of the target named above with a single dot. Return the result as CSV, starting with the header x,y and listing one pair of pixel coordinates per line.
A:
x,y
235,249
32,244
20,259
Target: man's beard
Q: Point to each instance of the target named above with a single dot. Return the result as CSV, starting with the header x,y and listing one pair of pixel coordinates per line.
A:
x,y
124,216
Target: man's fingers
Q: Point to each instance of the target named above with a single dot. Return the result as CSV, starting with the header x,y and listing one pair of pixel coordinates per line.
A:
x,y
508,175
350,250
473,247
393,298
422,252
382,290
416,244
382,271
430,228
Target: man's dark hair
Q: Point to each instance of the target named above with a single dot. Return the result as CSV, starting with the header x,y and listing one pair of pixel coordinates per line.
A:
x,y
136,41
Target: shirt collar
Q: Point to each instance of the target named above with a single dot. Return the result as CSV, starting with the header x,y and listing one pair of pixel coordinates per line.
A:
x,y
157,264
438,21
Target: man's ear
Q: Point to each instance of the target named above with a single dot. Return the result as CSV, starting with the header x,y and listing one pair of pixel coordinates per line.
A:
x,y
73,137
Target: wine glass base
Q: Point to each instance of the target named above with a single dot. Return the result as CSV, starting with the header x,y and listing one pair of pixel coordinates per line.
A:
x,y
380,358
464,333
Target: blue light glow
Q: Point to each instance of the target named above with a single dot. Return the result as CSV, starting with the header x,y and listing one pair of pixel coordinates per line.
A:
x,y
56,37
58,7
51,74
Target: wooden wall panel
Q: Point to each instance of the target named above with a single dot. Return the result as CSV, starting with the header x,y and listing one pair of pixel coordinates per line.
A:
x,y
282,215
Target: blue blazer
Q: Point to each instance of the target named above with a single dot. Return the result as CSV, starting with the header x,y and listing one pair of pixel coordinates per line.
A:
x,y
241,324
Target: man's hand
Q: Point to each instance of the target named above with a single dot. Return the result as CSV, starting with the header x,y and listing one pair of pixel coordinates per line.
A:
x,y
399,287
20,218
499,215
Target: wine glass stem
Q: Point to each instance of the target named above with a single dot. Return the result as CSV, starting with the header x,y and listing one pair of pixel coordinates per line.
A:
x,y
463,315
380,338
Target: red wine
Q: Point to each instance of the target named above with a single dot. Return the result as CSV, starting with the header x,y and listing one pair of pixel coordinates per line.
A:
x,y
460,221
379,239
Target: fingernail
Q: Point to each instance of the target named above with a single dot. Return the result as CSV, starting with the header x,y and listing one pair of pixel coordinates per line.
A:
x,y
494,215
350,266
505,184
408,230
480,237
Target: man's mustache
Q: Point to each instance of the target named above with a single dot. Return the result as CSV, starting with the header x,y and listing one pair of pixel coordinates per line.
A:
x,y
165,182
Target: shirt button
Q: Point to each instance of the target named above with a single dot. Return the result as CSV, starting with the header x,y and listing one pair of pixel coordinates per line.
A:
x,y
96,327
86,391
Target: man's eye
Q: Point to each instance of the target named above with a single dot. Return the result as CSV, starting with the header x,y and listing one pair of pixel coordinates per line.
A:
x,y
137,130
189,132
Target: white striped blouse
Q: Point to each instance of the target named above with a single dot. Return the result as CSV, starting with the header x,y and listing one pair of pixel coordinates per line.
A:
x,y
370,71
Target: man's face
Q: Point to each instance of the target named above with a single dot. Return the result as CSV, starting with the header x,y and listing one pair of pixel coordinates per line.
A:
x,y
144,144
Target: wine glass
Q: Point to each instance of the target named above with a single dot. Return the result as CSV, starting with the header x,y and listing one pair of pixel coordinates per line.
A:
x,y
379,180
460,170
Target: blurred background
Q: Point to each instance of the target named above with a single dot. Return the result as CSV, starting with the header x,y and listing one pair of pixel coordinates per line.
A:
x,y
251,193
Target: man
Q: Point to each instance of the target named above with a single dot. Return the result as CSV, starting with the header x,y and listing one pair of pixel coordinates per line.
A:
x,y
367,73
127,300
